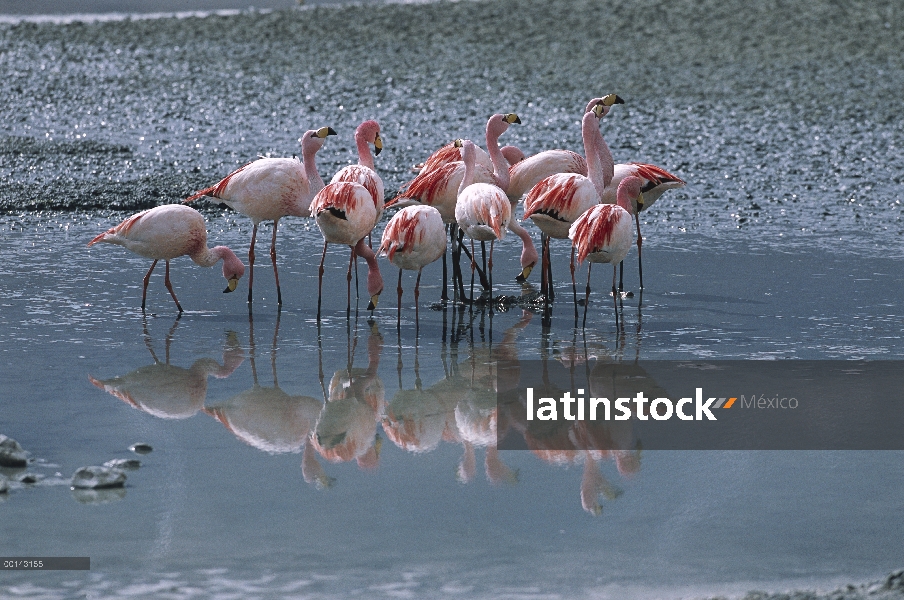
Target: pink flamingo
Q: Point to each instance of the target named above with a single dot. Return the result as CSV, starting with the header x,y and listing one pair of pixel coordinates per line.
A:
x,y
269,189
483,211
167,232
345,214
654,182
603,233
438,186
533,169
556,201
364,172
413,239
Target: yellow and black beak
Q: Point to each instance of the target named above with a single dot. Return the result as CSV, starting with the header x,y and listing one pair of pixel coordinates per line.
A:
x,y
458,143
525,273
378,144
231,285
372,305
612,99
640,205
325,131
511,118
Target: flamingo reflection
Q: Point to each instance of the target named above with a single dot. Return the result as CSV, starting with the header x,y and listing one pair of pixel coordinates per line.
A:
x,y
346,428
266,417
167,391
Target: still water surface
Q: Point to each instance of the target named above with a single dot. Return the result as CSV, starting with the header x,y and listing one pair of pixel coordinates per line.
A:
x,y
404,497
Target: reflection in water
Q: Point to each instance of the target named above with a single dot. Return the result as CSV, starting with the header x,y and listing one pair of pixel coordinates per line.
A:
x,y
347,427
459,407
167,391
267,417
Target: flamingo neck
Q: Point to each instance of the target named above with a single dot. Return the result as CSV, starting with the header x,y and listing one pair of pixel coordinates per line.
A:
x,y
600,166
467,157
500,164
529,254
374,278
365,158
315,181
623,199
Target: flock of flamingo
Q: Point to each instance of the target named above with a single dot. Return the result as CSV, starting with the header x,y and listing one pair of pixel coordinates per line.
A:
x,y
460,188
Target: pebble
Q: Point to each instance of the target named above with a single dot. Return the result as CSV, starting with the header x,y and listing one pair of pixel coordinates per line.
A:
x,y
4,484
123,463
29,477
11,453
141,448
94,478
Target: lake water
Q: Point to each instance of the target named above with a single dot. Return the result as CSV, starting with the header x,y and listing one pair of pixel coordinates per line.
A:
x,y
784,245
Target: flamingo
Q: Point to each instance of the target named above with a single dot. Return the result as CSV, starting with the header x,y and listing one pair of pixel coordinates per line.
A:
x,y
169,231
345,213
413,239
654,182
603,233
438,184
364,173
483,210
268,189
556,201
449,154
532,170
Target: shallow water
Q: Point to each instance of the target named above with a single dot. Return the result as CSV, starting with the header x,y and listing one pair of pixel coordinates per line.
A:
x,y
786,244
235,499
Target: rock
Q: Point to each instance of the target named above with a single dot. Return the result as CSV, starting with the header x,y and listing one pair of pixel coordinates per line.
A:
x,y
29,477
123,463
4,484
11,453
895,581
94,478
141,448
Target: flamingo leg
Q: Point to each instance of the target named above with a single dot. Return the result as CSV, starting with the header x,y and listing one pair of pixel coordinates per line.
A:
x,y
445,295
348,281
552,292
273,259
473,266
251,261
480,273
483,255
574,287
417,294
639,244
399,310
544,284
169,286
147,279
490,270
587,295
615,295
320,280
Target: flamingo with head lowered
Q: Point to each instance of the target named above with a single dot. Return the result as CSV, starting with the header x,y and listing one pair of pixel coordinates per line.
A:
x,y
167,232
269,189
345,214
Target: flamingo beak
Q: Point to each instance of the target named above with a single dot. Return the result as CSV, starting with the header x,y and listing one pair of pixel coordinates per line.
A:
x,y
372,305
231,285
525,273
640,202
612,99
458,143
378,144
325,131
511,118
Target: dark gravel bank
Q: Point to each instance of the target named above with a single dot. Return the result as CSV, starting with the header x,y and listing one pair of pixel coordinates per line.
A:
x,y
890,588
782,116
